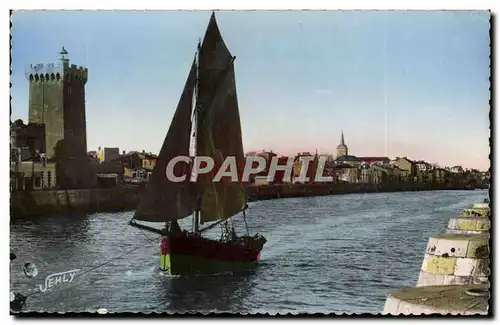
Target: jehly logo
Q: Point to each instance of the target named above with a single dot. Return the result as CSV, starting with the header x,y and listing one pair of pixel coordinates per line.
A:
x,y
58,278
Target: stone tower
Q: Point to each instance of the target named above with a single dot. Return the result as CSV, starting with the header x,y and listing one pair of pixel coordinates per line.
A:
x,y
342,148
57,100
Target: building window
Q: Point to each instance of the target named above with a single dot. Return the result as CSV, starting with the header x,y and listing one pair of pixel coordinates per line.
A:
x,y
38,182
49,178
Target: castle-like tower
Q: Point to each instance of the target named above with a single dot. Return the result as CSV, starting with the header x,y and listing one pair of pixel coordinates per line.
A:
x,y
57,99
342,149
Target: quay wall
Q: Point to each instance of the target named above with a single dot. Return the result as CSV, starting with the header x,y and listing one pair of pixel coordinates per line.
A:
x,y
46,202
276,191
454,276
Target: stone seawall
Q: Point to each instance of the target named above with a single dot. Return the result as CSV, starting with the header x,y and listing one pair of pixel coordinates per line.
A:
x,y
47,202
39,203
269,192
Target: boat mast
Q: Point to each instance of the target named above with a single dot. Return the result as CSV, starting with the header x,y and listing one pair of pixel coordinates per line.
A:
x,y
196,217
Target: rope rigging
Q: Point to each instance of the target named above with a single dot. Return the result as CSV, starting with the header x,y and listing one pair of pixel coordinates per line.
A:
x,y
85,272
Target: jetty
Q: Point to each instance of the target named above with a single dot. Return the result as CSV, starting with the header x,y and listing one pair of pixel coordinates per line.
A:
x,y
454,276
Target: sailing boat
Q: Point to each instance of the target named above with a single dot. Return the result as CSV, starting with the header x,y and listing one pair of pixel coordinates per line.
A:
x,y
209,96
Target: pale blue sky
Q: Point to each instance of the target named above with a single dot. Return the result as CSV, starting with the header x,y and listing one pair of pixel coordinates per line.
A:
x,y
302,77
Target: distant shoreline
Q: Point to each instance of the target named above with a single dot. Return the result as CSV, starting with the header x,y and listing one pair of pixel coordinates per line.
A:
x,y
50,202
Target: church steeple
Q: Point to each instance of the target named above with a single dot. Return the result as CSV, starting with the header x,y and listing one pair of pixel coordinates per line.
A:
x,y
342,149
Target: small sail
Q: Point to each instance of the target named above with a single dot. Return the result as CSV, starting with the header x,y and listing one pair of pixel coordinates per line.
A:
x,y
219,127
163,199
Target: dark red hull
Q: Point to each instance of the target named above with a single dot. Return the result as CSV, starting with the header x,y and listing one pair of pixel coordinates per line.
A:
x,y
187,253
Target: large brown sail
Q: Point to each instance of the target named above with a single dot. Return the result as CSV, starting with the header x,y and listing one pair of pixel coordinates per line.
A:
x,y
163,199
219,127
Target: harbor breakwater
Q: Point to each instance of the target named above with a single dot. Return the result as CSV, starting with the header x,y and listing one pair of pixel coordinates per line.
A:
x,y
454,276
48,202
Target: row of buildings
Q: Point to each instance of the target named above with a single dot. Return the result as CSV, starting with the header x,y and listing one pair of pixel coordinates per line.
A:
x,y
114,168
50,151
32,169
369,170
345,168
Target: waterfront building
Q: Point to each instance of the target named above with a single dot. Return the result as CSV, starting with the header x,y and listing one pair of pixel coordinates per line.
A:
x,y
440,175
371,174
301,161
148,160
138,166
392,174
33,175
404,163
423,166
31,135
109,174
346,173
457,170
374,160
349,160
105,154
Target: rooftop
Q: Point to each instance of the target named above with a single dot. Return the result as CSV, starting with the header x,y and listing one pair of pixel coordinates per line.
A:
x,y
372,159
347,158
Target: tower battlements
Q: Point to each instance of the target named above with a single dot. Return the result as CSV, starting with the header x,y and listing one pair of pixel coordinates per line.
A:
x,y
56,72
76,72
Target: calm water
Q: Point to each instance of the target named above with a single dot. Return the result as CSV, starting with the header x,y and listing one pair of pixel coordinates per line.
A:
x,y
324,254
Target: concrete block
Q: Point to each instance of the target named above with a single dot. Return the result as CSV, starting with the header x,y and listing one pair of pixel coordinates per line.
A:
x,y
465,266
457,280
481,206
451,246
391,306
468,213
431,245
425,262
430,279
483,225
452,223
466,224
478,248
440,265
483,268
446,299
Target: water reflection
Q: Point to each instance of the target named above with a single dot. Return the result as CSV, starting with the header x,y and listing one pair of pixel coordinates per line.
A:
x,y
49,229
39,241
209,293
335,254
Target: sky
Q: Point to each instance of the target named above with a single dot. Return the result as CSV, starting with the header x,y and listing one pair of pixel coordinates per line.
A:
x,y
404,83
